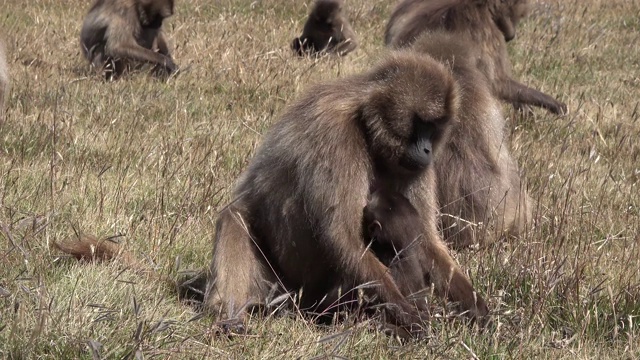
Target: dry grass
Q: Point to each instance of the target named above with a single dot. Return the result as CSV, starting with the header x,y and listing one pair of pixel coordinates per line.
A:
x,y
154,161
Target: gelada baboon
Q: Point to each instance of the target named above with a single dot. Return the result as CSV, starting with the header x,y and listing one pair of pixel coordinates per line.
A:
x,y
326,29
485,24
396,235
4,81
118,33
479,187
297,210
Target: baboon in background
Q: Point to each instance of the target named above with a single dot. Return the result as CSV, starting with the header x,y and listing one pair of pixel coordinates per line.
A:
x,y
485,24
117,33
297,210
478,180
394,228
4,80
326,29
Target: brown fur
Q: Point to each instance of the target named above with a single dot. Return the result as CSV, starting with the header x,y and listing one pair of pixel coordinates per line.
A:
x,y
396,236
326,30
479,187
296,215
118,33
4,81
90,248
485,24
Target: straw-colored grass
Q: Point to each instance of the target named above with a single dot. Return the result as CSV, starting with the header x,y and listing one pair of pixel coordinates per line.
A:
x,y
153,161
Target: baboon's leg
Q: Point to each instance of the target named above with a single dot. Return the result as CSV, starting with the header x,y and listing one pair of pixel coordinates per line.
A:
x,y
238,275
516,211
407,271
449,280
370,269
517,93
460,220
361,266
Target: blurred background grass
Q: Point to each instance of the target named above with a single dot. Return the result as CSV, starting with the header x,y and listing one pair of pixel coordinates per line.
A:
x,y
153,161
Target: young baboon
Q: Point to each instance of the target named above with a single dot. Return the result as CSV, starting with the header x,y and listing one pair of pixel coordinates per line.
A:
x,y
479,186
4,81
326,29
486,25
117,33
297,210
395,231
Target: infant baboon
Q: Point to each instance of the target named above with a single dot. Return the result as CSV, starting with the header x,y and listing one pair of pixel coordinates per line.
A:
x,y
296,217
118,33
326,30
486,25
478,180
4,81
395,231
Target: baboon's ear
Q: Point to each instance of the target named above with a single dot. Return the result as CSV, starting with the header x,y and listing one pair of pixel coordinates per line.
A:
x,y
506,27
375,227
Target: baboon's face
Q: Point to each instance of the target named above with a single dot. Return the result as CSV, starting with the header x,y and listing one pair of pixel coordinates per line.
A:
x,y
155,11
508,15
414,105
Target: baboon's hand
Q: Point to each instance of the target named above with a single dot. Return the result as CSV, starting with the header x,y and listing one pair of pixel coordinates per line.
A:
x,y
170,65
560,108
407,322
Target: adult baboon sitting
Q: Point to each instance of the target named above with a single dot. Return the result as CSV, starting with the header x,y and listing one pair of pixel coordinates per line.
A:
x,y
296,214
484,24
479,187
327,29
120,34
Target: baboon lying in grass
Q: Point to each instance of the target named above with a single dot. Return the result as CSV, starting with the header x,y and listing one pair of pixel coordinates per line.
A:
x,y
484,24
118,35
297,211
480,190
326,29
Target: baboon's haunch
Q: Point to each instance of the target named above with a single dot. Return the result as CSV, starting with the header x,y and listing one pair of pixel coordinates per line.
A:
x,y
121,34
484,24
479,188
396,234
297,210
326,29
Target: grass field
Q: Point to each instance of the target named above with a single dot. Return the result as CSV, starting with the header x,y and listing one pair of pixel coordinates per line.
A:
x,y
153,161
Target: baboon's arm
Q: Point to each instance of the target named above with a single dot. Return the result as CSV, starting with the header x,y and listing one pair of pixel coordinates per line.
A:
x,y
449,279
342,237
367,268
346,46
161,42
515,92
134,51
